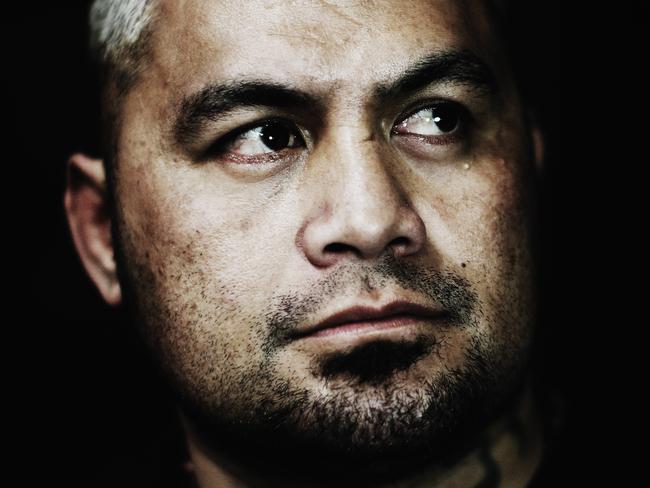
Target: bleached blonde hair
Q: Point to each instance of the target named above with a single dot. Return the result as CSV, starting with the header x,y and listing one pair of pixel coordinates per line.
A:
x,y
119,30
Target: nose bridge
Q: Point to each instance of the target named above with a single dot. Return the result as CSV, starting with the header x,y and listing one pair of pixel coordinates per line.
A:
x,y
359,202
364,192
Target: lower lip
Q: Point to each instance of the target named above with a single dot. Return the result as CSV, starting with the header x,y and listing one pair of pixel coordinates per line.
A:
x,y
369,326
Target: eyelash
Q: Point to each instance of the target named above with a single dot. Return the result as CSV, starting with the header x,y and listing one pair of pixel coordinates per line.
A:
x,y
219,149
465,121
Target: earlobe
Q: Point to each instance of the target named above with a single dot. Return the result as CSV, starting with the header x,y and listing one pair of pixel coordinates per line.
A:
x,y
89,217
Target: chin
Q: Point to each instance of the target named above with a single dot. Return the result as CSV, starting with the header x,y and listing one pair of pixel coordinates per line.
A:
x,y
379,409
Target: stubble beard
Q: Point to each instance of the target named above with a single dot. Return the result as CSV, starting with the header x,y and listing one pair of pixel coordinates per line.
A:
x,y
363,430
373,422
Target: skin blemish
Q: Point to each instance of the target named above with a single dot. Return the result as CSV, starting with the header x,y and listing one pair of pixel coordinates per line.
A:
x,y
244,225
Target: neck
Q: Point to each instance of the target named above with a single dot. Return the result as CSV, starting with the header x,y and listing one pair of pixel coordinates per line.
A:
x,y
506,456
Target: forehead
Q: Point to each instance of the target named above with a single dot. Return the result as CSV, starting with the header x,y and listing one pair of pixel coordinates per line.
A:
x,y
311,42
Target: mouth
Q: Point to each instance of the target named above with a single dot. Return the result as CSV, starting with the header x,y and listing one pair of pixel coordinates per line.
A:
x,y
360,320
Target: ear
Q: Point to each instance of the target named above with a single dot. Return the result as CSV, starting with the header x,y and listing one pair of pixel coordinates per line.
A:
x,y
88,212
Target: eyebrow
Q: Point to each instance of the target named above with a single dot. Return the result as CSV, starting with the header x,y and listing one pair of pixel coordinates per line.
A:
x,y
461,67
217,100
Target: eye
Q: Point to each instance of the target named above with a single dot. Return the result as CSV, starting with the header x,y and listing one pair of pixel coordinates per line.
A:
x,y
268,138
441,119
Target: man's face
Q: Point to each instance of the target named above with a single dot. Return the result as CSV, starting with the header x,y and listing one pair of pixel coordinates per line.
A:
x,y
281,162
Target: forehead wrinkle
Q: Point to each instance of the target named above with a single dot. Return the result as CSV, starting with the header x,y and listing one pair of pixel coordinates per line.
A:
x,y
322,23
336,10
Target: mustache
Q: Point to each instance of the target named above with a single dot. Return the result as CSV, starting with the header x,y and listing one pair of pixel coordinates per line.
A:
x,y
452,291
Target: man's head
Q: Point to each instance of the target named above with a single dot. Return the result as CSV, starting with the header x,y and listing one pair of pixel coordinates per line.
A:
x,y
320,214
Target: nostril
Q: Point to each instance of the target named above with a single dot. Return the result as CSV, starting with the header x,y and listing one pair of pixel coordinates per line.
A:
x,y
400,241
339,248
401,245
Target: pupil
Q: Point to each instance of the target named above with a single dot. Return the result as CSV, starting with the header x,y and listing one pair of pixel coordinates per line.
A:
x,y
445,117
275,136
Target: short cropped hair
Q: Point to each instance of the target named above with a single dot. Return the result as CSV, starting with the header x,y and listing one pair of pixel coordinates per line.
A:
x,y
119,31
119,39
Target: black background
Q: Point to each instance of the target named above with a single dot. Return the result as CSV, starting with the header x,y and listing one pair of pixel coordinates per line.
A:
x,y
83,400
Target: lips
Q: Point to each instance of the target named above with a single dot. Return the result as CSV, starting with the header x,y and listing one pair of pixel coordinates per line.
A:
x,y
359,318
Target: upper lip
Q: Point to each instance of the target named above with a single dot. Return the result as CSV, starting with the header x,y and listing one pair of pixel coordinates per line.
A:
x,y
362,313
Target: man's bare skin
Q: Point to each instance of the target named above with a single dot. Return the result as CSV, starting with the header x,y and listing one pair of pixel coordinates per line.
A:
x,y
320,214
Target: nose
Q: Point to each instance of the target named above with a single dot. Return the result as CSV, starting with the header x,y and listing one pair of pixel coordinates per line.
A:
x,y
359,210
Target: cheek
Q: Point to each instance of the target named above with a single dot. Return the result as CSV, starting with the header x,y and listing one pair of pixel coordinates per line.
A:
x,y
189,258
478,228
189,223
503,258
468,213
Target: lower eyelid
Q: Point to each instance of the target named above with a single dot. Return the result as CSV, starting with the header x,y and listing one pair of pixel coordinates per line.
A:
x,y
262,158
441,140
